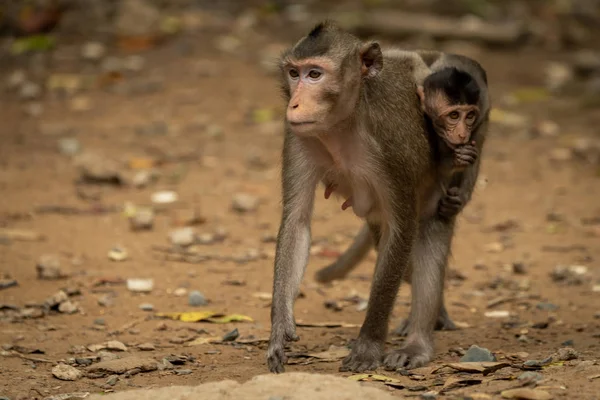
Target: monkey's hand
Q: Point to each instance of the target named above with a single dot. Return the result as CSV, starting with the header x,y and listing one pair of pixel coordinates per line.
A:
x,y
414,354
465,155
451,203
366,355
281,333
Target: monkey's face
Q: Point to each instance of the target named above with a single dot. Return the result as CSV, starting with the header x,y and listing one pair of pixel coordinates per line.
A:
x,y
452,122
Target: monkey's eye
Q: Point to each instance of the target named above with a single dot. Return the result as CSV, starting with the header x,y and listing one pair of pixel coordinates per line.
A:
x,y
314,74
293,73
471,116
453,115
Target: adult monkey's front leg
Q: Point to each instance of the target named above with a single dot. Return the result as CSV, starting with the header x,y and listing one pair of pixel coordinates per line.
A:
x,y
299,180
395,243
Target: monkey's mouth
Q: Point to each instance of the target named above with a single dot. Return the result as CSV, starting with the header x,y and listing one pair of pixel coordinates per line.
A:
x,y
301,123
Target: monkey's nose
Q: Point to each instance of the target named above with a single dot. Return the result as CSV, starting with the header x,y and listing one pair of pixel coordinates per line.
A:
x,y
295,106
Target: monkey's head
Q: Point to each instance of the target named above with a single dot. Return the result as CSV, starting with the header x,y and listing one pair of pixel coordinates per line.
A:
x,y
450,97
321,78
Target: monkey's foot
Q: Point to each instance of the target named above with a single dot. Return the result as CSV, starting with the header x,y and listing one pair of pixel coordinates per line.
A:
x,y
366,355
280,335
414,354
443,323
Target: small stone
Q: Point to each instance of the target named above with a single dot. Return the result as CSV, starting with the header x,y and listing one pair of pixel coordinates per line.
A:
x,y
569,342
164,197
196,298
134,63
140,285
115,345
243,202
112,380
100,321
525,394
77,349
142,219
66,372
180,292
56,299
220,233
146,307
143,178
48,267
147,347
69,146
80,104
206,238
84,361
16,79
546,306
494,247
165,365
478,354
118,254
30,91
518,268
537,364
95,167
497,314
565,354
183,371
183,236
106,300
231,336
107,356
561,154
93,51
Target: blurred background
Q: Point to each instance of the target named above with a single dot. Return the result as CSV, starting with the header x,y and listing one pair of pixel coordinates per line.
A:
x,y
139,174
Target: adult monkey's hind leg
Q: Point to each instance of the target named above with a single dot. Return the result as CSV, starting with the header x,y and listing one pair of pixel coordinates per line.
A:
x,y
429,258
349,259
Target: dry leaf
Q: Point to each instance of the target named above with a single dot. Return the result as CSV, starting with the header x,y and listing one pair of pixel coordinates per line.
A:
x,y
334,353
526,394
205,340
474,367
326,324
209,316
373,377
458,382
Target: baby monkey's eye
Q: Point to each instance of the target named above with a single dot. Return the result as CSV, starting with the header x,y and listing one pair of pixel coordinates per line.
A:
x,y
293,73
453,115
314,74
471,115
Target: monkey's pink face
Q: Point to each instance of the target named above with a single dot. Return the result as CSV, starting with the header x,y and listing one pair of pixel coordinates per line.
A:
x,y
313,92
453,123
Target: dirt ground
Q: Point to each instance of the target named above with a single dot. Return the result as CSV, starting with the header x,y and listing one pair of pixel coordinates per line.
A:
x,y
533,208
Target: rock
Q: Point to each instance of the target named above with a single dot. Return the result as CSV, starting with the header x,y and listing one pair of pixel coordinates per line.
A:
x,y
69,146
30,91
85,362
106,300
143,178
93,51
112,380
146,307
196,298
107,356
180,292
16,79
95,167
140,285
100,321
56,299
142,219
525,394
183,371
231,336
565,354
243,202
497,314
206,238
115,345
183,236
291,386
561,154
530,376
478,354
118,254
137,18
68,307
122,365
146,347
48,268
66,372
164,197
165,365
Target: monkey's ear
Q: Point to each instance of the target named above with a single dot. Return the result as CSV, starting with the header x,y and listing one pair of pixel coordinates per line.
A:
x,y
421,93
372,59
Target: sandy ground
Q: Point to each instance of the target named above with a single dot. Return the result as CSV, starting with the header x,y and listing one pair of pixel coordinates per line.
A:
x,y
530,208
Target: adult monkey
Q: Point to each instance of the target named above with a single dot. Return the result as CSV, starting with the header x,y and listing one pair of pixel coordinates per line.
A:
x,y
443,81
354,120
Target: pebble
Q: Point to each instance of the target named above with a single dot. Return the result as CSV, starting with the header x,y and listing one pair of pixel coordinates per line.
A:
x,y
147,347
118,254
142,219
196,298
180,292
68,307
478,354
100,321
30,91
143,178
165,365
134,63
84,361
183,371
56,299
565,354
243,202
98,168
93,51
106,300
164,197
112,380
146,307
66,372
206,238
69,146
48,267
497,314
115,345
106,356
561,154
231,336
140,285
183,236
16,79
